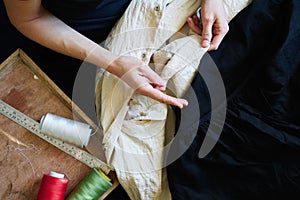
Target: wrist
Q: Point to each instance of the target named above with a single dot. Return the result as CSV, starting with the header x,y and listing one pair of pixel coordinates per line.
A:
x,y
114,66
103,58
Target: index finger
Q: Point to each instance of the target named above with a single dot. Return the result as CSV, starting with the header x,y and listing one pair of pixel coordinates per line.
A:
x,y
217,39
161,97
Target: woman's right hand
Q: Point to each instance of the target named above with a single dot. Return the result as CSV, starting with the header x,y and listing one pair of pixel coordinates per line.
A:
x,y
143,79
34,22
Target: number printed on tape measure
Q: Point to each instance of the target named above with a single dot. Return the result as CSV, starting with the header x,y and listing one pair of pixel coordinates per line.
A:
x,y
34,127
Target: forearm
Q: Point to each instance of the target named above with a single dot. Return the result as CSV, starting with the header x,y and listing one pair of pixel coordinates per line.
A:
x,y
47,30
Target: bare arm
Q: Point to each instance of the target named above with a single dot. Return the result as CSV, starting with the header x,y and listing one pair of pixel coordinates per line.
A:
x,y
35,22
31,19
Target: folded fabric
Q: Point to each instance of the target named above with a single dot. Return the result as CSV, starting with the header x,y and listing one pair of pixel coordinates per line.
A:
x,y
137,129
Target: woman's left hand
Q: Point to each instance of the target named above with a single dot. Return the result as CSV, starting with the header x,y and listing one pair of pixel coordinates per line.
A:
x,y
213,25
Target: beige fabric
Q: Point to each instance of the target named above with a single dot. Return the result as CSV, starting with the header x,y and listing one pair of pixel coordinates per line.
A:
x,y
134,126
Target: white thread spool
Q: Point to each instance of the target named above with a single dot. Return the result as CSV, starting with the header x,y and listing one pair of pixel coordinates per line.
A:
x,y
67,130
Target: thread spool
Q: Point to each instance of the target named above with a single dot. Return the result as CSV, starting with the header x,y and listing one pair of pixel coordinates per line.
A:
x,y
53,187
67,130
91,187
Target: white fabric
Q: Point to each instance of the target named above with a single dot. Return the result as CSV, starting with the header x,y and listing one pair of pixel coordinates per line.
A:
x,y
134,126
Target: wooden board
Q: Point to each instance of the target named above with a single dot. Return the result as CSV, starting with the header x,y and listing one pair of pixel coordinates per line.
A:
x,y
24,157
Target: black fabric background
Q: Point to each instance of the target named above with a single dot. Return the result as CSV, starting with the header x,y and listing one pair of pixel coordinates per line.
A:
x,y
257,155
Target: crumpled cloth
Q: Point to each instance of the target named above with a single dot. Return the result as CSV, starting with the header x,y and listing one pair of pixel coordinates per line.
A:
x,y
136,128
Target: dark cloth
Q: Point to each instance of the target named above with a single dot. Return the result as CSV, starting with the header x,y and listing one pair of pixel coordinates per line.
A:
x,y
82,3
93,19
257,154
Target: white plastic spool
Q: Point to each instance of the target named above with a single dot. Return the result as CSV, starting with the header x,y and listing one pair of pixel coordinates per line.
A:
x,y
67,130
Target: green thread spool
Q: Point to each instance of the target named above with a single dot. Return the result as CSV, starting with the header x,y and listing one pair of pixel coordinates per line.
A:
x,y
92,187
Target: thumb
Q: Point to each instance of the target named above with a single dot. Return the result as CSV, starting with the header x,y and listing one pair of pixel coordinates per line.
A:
x,y
206,32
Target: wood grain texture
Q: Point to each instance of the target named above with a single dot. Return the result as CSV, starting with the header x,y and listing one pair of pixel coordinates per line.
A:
x,y
24,157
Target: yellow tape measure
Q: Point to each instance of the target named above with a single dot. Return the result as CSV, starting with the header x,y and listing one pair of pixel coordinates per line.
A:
x,y
34,127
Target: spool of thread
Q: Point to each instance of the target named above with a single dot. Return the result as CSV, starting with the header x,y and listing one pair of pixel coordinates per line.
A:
x,y
53,187
91,187
67,130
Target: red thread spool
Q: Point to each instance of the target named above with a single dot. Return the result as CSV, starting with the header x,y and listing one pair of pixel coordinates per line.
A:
x,y
53,187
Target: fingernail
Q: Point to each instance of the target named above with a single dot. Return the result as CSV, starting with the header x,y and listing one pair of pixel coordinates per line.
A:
x,y
205,43
185,103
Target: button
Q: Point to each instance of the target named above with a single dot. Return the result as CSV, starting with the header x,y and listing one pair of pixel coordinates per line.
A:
x,y
143,113
144,56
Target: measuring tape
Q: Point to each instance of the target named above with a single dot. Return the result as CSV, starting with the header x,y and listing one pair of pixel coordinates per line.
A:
x,y
34,127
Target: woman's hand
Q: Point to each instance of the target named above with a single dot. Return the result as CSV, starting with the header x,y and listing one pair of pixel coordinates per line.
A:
x,y
213,24
143,80
34,22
